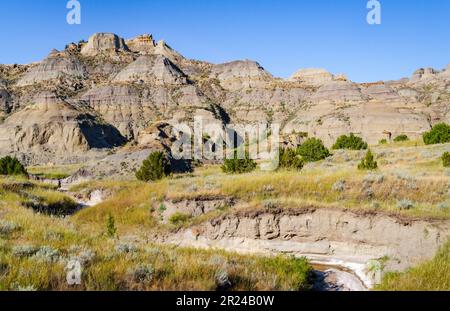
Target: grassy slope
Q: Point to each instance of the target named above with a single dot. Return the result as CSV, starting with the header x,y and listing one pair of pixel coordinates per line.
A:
x,y
408,172
405,173
53,172
431,275
128,263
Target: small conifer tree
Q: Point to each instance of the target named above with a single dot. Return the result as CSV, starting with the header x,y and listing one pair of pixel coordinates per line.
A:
x,y
368,163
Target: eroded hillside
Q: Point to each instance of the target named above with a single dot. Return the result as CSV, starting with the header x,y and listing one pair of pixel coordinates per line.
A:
x,y
127,86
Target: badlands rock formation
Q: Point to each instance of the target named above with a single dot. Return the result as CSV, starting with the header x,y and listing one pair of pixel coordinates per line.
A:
x,y
131,109
132,84
103,43
52,128
143,44
56,65
312,76
240,75
153,70
5,101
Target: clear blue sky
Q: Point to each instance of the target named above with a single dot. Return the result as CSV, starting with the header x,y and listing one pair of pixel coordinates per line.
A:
x,y
283,36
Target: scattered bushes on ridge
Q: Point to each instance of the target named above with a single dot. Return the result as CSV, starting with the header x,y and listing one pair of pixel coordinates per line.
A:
x,y
155,167
11,166
313,150
351,142
238,166
290,159
439,134
368,163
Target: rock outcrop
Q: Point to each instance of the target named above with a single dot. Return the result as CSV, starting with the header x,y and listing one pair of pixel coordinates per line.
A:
x,y
423,73
368,120
119,105
143,44
163,49
240,75
104,43
152,69
338,91
323,235
5,101
58,65
381,92
55,128
312,76
131,109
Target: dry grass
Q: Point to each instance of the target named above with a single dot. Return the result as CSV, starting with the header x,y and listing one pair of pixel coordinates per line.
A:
x,y
433,275
54,171
405,172
407,176
169,269
109,267
132,204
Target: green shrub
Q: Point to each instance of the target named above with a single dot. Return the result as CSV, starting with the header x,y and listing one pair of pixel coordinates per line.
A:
x,y
238,166
439,134
351,142
446,159
11,166
179,218
401,138
111,229
313,150
155,167
290,159
383,141
368,163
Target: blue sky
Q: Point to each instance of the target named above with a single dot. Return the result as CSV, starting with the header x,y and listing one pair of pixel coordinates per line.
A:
x,y
282,36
